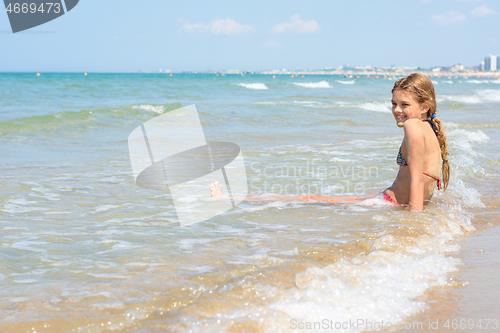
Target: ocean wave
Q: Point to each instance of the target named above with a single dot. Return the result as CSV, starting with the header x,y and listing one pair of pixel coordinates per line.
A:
x,y
256,86
384,282
460,99
84,119
148,107
489,95
465,160
321,84
464,138
485,95
267,103
313,104
346,82
477,81
104,208
379,107
451,125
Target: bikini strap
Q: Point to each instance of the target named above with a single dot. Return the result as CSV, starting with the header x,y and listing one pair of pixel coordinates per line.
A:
x,y
434,127
439,185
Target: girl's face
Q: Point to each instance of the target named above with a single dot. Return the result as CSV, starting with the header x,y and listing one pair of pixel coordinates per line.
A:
x,y
405,107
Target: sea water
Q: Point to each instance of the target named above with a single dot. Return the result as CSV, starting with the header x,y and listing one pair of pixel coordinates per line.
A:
x,y
84,249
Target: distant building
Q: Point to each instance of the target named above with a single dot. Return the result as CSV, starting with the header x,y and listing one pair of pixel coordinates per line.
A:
x,y
457,68
481,66
490,62
365,67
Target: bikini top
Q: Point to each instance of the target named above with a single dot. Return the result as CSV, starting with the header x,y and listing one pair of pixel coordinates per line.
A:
x,y
400,160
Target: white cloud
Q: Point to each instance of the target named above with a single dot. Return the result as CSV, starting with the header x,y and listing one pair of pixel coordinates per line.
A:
x,y
296,25
219,27
482,11
448,18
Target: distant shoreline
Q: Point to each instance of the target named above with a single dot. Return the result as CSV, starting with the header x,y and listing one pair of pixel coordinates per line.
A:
x,y
347,73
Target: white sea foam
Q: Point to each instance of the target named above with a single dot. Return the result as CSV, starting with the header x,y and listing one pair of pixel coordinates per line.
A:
x,y
29,245
489,95
462,139
257,86
375,201
56,213
435,82
384,282
118,245
477,81
20,201
9,208
267,103
460,99
449,125
484,95
321,84
312,104
337,159
379,107
148,107
293,252
187,244
346,82
104,208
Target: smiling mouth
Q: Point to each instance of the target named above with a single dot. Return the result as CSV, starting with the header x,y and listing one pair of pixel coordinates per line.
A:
x,y
400,118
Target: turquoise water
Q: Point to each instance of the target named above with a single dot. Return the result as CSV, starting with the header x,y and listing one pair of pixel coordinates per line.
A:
x,y
84,249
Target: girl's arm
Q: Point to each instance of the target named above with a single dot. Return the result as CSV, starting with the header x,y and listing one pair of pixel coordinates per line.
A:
x,y
415,147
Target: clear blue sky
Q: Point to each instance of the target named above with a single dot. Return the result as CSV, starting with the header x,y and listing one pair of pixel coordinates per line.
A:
x,y
125,35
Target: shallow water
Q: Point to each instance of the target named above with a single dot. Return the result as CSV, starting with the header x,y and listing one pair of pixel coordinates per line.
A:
x,y
84,249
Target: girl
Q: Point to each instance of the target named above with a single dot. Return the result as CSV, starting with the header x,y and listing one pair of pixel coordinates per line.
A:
x,y
423,152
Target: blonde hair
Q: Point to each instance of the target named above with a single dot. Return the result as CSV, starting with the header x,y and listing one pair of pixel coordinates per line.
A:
x,y
423,91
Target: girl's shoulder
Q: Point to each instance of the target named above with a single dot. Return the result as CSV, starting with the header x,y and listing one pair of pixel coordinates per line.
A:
x,y
413,129
414,122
